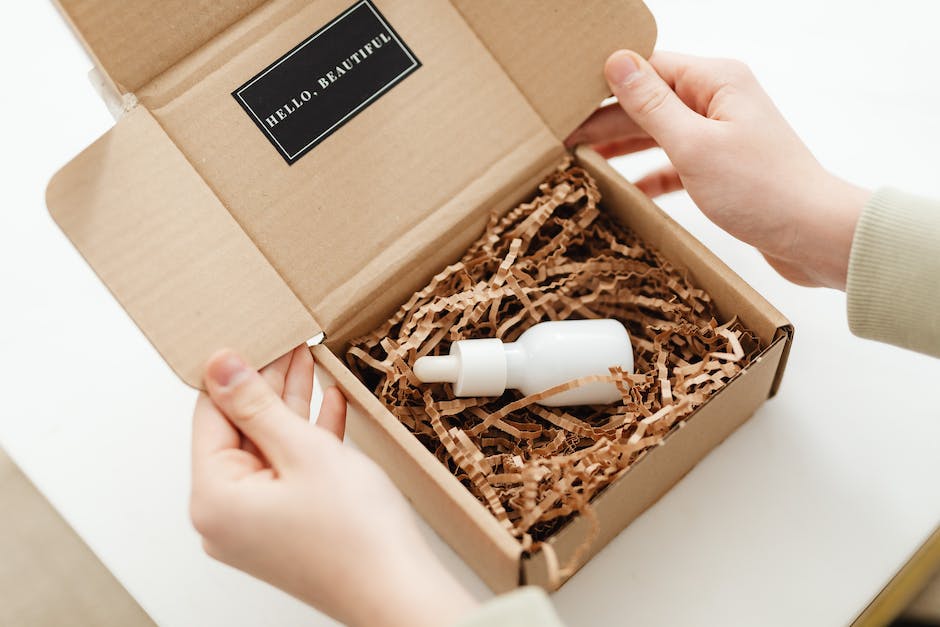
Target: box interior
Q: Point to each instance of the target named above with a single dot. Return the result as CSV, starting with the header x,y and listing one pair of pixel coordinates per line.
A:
x,y
732,296
649,478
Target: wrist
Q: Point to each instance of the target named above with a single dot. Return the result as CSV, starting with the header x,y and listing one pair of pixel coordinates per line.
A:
x,y
416,591
828,228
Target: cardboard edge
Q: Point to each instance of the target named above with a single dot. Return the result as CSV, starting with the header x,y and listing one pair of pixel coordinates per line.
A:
x,y
785,331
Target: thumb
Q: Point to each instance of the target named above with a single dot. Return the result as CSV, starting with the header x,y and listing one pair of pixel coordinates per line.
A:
x,y
250,403
648,100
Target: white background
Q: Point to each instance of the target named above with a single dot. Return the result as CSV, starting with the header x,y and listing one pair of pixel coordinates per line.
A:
x,y
799,518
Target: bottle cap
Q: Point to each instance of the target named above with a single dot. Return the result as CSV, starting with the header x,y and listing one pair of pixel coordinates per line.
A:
x,y
475,367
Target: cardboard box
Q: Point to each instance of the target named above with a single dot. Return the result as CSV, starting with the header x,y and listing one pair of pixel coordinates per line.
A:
x,y
277,177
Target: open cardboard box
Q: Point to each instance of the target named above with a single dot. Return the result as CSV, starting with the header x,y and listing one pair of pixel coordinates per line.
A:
x,y
212,233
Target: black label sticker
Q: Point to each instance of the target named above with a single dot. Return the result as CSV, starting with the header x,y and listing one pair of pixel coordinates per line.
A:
x,y
326,80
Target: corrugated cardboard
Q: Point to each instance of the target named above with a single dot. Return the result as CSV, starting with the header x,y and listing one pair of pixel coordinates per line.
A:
x,y
134,41
431,149
209,238
171,253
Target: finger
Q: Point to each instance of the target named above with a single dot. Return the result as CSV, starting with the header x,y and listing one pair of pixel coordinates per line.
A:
x,y
276,371
212,432
333,412
621,147
699,81
648,100
608,123
251,404
672,66
275,374
663,181
216,454
298,384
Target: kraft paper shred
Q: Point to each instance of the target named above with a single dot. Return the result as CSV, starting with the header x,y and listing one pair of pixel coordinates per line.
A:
x,y
557,257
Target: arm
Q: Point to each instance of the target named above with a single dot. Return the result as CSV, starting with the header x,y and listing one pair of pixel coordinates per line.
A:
x,y
750,173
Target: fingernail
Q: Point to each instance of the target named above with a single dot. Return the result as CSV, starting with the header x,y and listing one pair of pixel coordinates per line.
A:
x,y
621,68
229,370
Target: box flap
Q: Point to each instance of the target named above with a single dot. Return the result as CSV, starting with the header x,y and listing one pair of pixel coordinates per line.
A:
x,y
555,52
499,84
353,214
171,253
133,41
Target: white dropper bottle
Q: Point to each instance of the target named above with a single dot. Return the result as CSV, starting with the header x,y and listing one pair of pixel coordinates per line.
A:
x,y
546,355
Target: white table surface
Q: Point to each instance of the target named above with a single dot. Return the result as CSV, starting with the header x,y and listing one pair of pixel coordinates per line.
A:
x,y
799,518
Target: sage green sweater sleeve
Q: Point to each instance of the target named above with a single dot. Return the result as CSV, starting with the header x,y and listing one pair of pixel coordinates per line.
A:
x,y
893,285
525,607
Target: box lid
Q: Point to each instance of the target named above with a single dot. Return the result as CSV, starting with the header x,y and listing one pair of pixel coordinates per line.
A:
x,y
134,41
209,238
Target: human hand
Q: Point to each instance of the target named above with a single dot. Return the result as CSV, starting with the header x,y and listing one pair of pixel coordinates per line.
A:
x,y
285,501
740,161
